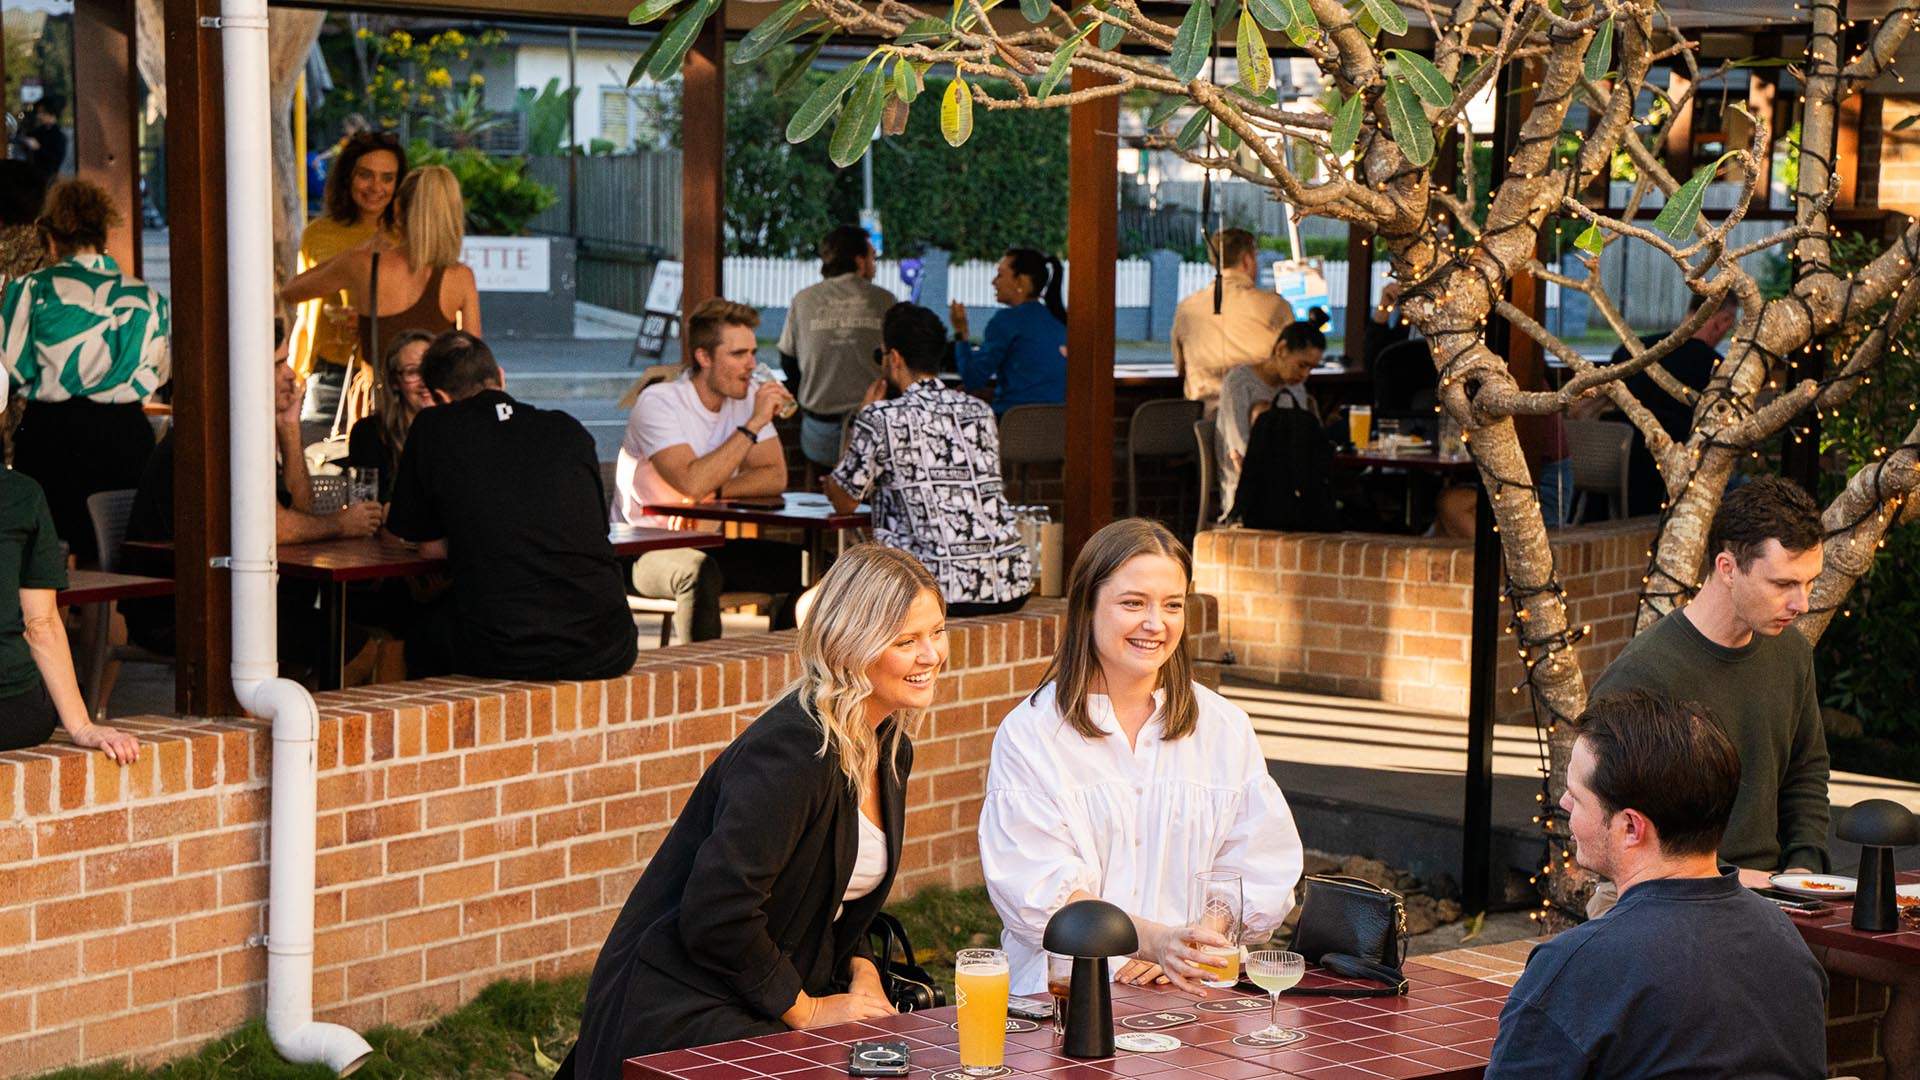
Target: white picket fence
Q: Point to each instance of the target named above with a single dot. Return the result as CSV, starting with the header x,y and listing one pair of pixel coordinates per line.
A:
x,y
763,282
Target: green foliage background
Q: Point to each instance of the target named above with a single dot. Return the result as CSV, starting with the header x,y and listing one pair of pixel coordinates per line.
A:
x,y
500,197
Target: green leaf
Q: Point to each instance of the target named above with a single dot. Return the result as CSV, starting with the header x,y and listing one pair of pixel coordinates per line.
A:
x,y
1682,210
1600,52
1193,40
1346,123
1164,109
1256,67
854,133
648,10
640,65
801,65
1426,80
920,30
1271,13
1387,13
1411,131
1035,10
1907,123
1110,35
766,35
1191,131
1367,24
1302,24
956,113
1228,11
819,106
1229,139
1592,241
678,38
1063,60
906,82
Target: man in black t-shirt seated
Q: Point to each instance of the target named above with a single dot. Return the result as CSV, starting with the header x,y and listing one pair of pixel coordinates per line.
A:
x,y
510,496
1691,364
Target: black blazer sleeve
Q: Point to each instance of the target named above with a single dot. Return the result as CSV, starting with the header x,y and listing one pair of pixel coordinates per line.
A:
x,y
772,793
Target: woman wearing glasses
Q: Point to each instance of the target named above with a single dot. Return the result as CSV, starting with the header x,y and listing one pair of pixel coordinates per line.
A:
x,y
1120,778
752,918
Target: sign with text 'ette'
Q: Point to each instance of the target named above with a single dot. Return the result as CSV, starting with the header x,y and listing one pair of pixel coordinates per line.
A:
x,y
509,263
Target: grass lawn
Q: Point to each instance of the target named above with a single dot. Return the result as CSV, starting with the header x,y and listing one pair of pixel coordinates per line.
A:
x,y
521,1029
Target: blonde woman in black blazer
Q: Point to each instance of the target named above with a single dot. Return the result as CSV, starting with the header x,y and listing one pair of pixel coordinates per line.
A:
x,y
752,918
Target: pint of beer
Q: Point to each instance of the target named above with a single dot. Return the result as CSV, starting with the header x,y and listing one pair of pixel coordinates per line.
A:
x,y
980,984
1360,426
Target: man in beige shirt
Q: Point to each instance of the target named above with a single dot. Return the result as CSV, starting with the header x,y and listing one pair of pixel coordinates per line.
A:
x,y
1207,345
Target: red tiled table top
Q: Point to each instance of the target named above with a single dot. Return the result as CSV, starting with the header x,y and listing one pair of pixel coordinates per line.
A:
x,y
1442,1028
1834,929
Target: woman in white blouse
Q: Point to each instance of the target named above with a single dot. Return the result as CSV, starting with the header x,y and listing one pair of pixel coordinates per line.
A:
x,y
1120,778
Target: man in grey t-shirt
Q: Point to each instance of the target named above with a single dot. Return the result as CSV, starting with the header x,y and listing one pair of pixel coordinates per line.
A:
x,y
831,340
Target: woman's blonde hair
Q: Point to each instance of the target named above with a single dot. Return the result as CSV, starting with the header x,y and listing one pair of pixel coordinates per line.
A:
x,y
433,216
857,612
1077,662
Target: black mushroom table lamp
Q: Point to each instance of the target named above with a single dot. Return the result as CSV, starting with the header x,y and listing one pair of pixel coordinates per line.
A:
x,y
1878,826
1090,931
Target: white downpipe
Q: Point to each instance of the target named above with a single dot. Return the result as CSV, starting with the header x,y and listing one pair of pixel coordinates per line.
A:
x,y
286,704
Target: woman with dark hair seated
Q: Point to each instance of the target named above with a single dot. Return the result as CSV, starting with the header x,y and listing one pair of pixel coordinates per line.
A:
x,y
752,918
1023,359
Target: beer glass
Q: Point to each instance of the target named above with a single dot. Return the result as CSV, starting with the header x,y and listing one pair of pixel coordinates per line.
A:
x,y
764,374
363,485
1360,426
980,985
1217,904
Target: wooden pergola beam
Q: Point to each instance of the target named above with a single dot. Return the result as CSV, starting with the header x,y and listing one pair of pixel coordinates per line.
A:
x,y
1093,246
703,178
106,143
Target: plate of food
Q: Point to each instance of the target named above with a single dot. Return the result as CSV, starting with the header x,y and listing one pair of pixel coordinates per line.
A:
x,y
1816,886
1908,897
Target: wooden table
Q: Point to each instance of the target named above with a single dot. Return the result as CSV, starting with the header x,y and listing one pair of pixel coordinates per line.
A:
x,y
1834,929
101,587
335,564
1477,816
795,510
1443,1027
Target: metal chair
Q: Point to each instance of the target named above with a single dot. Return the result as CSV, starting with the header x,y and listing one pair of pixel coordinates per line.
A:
x,y
1033,435
1600,450
1158,429
1203,434
109,511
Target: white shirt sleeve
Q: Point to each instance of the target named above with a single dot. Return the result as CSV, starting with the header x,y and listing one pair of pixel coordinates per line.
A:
x,y
657,422
1027,849
1263,846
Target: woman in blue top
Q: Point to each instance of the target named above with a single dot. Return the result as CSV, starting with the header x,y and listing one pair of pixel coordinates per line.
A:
x,y
1023,359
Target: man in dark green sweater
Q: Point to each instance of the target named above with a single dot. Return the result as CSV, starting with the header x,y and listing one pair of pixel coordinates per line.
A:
x,y
1728,650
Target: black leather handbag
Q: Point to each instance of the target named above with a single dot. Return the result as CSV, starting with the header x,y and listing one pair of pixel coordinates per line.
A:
x,y
1354,929
907,984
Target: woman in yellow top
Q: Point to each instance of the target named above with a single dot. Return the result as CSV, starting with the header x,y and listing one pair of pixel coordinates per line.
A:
x,y
367,170
422,284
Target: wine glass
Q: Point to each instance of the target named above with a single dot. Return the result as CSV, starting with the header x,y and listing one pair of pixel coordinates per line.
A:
x,y
1275,971
1217,903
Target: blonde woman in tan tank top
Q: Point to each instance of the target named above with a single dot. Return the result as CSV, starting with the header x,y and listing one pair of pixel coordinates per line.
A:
x,y
422,283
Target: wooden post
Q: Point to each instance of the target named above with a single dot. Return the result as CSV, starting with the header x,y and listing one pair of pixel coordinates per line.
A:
x,y
106,136
703,178
1093,247
1359,293
1678,151
196,204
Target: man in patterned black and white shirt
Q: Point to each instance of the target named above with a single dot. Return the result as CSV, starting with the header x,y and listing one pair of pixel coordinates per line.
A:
x,y
928,464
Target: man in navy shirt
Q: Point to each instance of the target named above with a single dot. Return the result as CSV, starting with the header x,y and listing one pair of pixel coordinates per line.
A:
x,y
1690,974
510,496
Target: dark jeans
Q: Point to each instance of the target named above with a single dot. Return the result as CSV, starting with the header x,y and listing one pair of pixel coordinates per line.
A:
x,y
27,718
76,448
965,610
694,580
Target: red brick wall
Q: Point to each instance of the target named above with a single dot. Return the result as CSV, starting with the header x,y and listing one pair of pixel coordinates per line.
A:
x,y
1387,617
1855,1009
469,831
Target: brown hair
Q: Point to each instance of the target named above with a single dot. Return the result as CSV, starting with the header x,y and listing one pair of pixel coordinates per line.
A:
x,y
338,194
703,325
1233,245
78,214
1077,661
389,404
1665,759
1766,508
842,249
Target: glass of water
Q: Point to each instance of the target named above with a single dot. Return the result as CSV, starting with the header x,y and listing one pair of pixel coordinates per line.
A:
x,y
363,485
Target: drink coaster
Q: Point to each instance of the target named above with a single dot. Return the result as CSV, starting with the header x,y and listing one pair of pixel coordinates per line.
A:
x,y
1286,1039
958,1074
1159,1021
1015,1026
1146,1042
1234,1005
